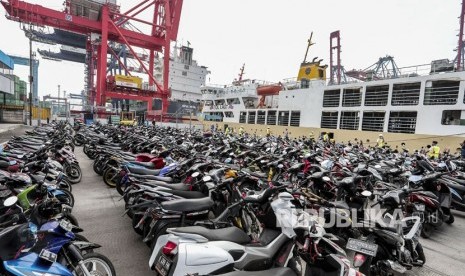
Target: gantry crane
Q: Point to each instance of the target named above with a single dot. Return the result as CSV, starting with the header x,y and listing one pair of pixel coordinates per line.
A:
x,y
110,27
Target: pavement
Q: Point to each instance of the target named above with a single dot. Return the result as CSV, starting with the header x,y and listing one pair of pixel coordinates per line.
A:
x,y
8,130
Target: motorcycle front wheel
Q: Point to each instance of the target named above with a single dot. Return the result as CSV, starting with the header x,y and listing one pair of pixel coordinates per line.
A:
x,y
96,264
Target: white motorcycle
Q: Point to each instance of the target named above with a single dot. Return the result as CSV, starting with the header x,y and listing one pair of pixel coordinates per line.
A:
x,y
201,251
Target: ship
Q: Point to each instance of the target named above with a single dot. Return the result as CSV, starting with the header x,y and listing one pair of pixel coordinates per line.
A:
x,y
414,107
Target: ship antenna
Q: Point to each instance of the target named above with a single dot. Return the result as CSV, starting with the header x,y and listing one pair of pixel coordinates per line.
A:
x,y
310,43
241,73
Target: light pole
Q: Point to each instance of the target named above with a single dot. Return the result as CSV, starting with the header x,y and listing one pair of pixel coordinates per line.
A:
x,y
31,78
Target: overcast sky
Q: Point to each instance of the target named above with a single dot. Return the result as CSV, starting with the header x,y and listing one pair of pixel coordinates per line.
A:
x,y
270,36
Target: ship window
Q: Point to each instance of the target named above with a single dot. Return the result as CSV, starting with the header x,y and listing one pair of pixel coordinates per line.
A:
x,y
283,118
186,67
251,119
402,121
229,114
321,73
242,117
442,92
295,118
373,121
233,101
331,98
261,117
329,119
376,95
349,120
352,97
406,94
271,120
453,117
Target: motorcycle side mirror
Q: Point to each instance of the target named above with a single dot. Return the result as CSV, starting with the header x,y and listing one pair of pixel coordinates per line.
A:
x,y
366,193
194,175
10,201
207,178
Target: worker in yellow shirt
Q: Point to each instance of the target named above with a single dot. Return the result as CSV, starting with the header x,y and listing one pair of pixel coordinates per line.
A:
x,y
434,151
241,131
226,131
268,132
325,137
380,141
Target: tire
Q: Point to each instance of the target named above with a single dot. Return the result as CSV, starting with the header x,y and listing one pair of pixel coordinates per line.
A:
x,y
98,168
451,219
108,175
65,185
421,254
161,231
73,172
135,221
97,264
67,198
78,140
365,268
426,230
72,219
120,188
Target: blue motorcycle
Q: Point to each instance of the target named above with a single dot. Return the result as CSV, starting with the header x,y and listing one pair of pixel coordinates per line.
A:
x,y
50,250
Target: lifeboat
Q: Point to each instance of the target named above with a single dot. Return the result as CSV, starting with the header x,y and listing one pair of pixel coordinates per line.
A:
x,y
269,90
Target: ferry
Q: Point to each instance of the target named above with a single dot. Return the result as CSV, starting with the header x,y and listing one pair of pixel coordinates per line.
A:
x,y
424,102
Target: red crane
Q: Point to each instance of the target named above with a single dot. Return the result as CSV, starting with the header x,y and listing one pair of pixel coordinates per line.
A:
x,y
110,27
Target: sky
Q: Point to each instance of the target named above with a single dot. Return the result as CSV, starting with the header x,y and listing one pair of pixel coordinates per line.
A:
x,y
270,36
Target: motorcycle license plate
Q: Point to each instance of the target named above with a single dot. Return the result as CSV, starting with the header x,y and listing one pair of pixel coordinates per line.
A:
x,y
48,256
420,207
363,247
163,265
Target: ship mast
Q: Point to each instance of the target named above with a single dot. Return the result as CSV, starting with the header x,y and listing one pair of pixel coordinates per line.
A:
x,y
308,47
241,73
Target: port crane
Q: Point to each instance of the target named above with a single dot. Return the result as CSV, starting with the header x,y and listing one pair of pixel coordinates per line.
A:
x,y
109,26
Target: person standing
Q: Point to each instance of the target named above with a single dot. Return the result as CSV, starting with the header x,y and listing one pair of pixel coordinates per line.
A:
x,y
286,134
380,141
241,131
434,151
325,137
462,152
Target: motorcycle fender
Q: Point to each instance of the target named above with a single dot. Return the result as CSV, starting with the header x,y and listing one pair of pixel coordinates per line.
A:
x,y
201,258
57,192
81,245
29,265
161,241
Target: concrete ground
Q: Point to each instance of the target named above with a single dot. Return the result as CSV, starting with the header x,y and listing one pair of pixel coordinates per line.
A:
x,y
8,130
99,212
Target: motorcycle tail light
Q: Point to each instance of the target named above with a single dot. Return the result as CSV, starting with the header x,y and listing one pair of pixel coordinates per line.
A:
x,y
359,259
170,248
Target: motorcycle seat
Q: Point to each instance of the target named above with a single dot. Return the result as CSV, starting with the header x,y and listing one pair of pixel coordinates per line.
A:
x,y
143,171
187,194
188,205
4,164
456,186
386,227
279,271
460,181
428,194
154,177
172,186
148,165
340,205
232,234
37,178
